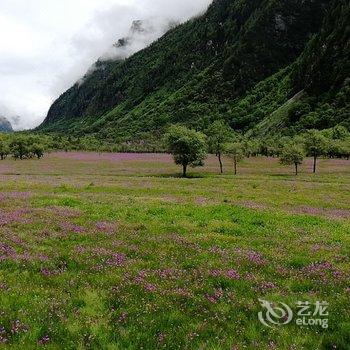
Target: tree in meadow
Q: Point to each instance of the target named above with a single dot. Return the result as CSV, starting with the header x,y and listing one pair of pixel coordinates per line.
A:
x,y
236,152
292,154
187,146
218,134
316,145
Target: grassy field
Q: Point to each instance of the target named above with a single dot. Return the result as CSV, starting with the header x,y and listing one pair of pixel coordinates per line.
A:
x,y
115,251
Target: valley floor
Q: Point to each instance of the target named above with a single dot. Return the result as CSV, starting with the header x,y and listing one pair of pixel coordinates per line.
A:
x,y
115,251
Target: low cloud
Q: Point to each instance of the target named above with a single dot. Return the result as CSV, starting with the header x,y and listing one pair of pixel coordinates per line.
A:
x,y
50,46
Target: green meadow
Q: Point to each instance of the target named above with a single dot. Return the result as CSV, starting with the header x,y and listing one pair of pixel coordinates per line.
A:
x,y
116,251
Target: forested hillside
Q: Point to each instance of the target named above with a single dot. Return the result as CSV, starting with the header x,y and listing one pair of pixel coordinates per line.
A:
x,y
262,66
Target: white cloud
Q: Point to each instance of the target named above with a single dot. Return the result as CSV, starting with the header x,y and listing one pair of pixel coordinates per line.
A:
x,y
47,45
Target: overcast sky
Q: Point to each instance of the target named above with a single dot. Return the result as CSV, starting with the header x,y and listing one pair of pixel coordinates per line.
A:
x,y
47,45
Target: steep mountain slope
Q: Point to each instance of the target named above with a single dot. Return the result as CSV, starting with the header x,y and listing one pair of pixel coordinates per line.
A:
x,y
241,61
315,89
5,125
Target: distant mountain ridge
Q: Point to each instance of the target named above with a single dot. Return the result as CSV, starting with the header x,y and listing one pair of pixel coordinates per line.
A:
x,y
5,125
241,61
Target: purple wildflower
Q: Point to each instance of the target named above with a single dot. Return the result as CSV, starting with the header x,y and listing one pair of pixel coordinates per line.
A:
x,y
18,327
44,340
217,250
182,292
214,298
215,273
255,257
46,272
69,227
264,286
166,273
117,259
106,227
3,338
161,338
140,277
122,318
149,287
233,274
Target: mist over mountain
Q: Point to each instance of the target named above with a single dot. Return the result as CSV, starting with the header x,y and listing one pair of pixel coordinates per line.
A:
x,y
141,34
47,46
262,66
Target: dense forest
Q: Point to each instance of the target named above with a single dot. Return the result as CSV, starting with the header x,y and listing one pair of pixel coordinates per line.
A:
x,y
262,66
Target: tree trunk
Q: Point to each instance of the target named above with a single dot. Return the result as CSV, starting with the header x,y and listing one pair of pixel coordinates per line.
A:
x,y
296,169
220,161
315,161
184,170
235,162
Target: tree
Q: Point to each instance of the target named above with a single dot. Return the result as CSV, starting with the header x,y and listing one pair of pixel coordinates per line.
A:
x,y
251,147
4,149
292,154
38,150
218,134
339,133
187,146
339,149
19,147
236,152
269,147
315,145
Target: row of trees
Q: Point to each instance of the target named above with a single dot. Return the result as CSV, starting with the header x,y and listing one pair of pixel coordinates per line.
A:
x,y
22,147
190,147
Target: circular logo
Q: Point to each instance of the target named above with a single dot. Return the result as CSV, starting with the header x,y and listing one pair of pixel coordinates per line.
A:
x,y
275,314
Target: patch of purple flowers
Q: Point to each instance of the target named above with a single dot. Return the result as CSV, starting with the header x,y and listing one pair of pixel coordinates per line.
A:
x,y
18,327
15,216
69,227
3,337
105,227
255,258
149,287
233,274
264,286
117,259
122,318
44,340
215,297
324,271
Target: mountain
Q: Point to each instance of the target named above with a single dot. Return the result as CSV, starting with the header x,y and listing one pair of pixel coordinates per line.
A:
x,y
264,66
5,125
319,80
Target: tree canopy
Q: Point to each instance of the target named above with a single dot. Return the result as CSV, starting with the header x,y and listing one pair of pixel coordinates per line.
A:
x,y
187,146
